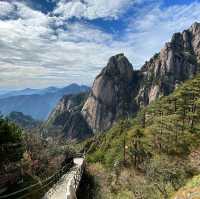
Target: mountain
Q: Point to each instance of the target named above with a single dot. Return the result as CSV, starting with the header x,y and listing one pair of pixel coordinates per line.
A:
x,y
178,61
66,118
29,91
152,154
120,91
24,121
112,94
3,92
37,103
110,98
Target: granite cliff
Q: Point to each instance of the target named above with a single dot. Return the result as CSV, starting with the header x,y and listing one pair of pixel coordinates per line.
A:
x,y
178,61
112,94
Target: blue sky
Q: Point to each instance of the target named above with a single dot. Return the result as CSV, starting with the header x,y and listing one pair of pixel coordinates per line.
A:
x,y
58,42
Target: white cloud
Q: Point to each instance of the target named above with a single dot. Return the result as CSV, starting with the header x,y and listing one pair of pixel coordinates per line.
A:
x,y
92,9
77,32
33,54
37,55
6,8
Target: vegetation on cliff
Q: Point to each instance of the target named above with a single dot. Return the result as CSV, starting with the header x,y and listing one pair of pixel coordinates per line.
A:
x,y
148,156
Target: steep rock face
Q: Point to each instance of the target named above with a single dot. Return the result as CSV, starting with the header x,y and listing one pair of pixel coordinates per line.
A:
x,y
66,118
177,61
111,96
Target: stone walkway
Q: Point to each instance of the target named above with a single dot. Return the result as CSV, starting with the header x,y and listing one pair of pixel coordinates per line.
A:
x,y
65,188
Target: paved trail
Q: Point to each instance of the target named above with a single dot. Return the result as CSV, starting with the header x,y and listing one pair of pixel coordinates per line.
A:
x,y
64,188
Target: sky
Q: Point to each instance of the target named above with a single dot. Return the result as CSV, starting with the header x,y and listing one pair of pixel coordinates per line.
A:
x,y
58,42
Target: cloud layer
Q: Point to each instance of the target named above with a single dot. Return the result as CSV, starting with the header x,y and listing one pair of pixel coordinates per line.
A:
x,y
92,9
38,50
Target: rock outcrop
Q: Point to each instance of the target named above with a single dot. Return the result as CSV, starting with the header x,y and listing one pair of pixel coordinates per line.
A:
x,y
112,93
66,118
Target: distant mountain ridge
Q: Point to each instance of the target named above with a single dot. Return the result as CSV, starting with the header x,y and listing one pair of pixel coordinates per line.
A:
x,y
38,103
52,89
2,92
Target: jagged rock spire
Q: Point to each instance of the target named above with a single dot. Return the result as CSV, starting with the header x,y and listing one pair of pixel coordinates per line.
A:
x,y
111,94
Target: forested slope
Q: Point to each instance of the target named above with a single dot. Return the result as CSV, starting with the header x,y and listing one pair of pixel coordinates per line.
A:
x,y
149,156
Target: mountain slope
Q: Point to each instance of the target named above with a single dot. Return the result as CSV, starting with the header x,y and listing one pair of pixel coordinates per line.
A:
x,y
67,120
37,105
154,147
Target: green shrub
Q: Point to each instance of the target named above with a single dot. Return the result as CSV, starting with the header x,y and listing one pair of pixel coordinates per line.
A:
x,y
97,156
9,132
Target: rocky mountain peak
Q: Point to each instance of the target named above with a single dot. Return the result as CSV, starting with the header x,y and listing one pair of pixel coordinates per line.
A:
x,y
110,96
177,41
195,28
195,40
177,61
118,66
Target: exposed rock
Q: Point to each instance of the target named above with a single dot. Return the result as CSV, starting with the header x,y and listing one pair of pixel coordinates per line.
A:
x,y
67,119
111,96
118,90
178,61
